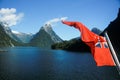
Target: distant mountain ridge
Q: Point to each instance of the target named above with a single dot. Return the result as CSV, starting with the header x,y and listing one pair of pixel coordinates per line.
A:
x,y
23,37
96,30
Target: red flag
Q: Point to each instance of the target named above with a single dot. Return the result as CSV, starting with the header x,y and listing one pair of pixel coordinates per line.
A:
x,y
98,44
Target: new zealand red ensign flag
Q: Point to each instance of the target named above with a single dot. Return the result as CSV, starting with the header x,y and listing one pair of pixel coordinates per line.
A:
x,y
98,44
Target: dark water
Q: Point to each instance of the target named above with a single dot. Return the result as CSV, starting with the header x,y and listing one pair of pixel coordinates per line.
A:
x,y
38,64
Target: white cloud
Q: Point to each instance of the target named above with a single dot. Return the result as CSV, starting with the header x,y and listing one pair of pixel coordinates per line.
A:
x,y
7,11
9,17
63,18
55,20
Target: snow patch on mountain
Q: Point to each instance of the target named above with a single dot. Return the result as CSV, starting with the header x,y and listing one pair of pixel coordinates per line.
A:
x,y
15,32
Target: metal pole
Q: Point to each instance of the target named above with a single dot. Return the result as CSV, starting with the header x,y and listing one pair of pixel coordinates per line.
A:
x,y
113,52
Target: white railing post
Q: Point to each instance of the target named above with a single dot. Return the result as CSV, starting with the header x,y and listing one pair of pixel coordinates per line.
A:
x,y
113,52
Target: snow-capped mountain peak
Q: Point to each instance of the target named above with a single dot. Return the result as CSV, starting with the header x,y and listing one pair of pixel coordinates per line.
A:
x,y
49,30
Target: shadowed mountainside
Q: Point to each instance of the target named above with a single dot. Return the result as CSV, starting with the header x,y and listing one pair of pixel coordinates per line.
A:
x,y
5,39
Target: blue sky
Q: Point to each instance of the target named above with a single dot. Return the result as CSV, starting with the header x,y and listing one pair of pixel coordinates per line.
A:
x,y
92,13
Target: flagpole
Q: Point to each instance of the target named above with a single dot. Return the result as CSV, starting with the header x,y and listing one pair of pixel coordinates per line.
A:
x,y
113,52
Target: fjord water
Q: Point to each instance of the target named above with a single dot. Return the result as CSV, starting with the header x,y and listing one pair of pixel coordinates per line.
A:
x,y
30,63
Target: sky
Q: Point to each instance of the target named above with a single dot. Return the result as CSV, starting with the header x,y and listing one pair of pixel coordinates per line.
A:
x,y
28,16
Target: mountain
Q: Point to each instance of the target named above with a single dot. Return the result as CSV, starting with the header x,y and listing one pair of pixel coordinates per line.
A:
x,y
5,39
96,30
22,37
45,37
